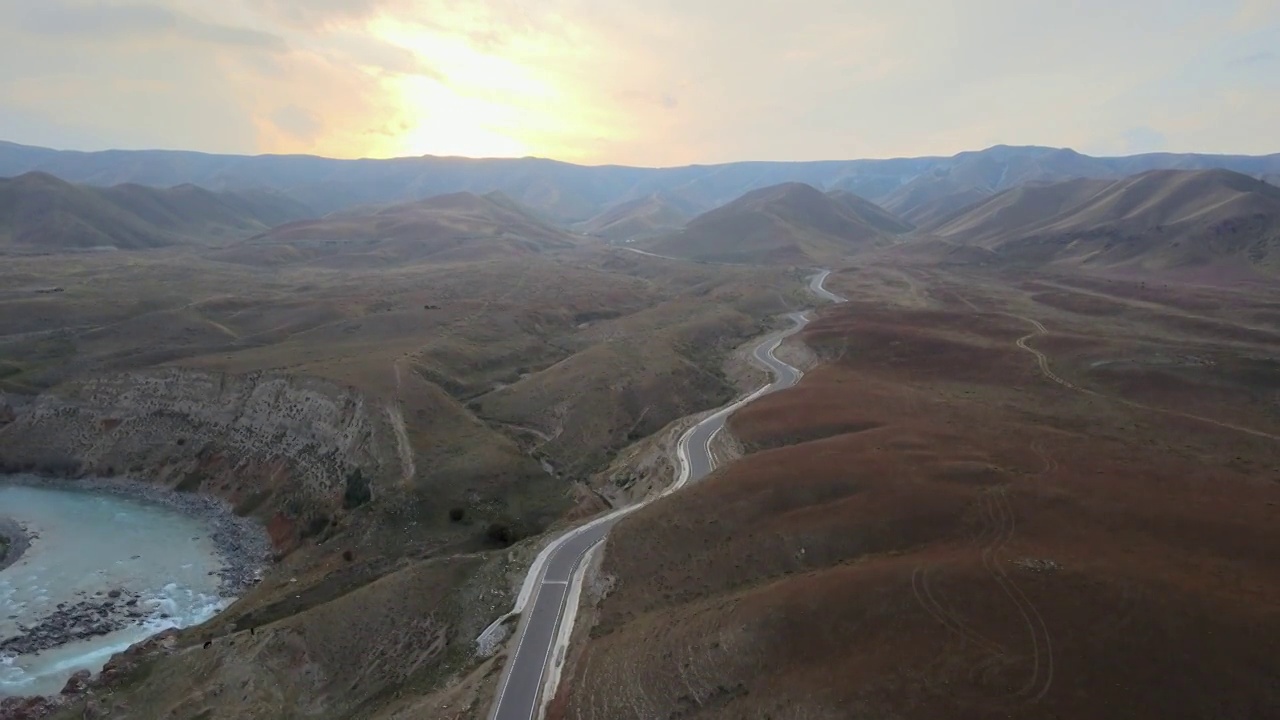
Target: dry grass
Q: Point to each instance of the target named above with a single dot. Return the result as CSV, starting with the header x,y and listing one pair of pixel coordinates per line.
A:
x,y
933,527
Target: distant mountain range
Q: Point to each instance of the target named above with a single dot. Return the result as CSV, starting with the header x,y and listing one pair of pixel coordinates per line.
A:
x,y
918,190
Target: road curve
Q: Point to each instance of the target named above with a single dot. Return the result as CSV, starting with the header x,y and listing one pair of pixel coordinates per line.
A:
x,y
520,689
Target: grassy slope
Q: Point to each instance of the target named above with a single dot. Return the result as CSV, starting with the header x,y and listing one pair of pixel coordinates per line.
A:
x,y
426,340
879,550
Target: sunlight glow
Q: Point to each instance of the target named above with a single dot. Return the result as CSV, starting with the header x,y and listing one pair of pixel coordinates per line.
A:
x,y
477,104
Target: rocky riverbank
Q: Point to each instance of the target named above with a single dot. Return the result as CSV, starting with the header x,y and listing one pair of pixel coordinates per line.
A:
x,y
242,543
14,541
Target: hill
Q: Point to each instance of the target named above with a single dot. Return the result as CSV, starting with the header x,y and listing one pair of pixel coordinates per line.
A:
x,y
871,213
574,193
446,228
1202,221
792,223
40,213
930,525
654,214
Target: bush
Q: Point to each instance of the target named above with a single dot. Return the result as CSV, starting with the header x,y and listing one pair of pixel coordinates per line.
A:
x,y
358,490
315,526
457,514
501,533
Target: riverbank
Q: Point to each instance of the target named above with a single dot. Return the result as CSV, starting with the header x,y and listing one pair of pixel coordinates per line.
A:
x,y
242,543
14,541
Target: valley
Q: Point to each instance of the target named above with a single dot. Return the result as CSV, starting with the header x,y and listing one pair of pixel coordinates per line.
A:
x,y
534,458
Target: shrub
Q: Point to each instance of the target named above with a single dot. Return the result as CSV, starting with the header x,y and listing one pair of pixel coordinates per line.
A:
x,y
456,514
501,533
358,490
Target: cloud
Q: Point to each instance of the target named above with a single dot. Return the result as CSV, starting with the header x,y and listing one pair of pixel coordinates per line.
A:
x,y
659,83
298,122
100,21
1257,58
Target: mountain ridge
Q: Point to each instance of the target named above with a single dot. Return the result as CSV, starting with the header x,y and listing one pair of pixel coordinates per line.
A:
x,y
575,193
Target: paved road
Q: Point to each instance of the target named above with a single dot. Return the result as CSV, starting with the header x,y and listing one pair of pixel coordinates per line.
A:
x,y
520,688
815,286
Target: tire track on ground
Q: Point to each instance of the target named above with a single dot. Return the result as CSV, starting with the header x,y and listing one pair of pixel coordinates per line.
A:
x,y
1042,360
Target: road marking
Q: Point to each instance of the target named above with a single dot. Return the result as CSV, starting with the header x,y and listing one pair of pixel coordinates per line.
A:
x,y
555,582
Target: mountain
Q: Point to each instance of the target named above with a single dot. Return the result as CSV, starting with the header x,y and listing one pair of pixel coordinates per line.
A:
x,y
790,223
643,217
911,188
446,228
1200,221
871,213
41,213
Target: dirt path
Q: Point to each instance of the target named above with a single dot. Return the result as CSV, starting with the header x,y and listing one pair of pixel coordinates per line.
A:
x,y
1043,361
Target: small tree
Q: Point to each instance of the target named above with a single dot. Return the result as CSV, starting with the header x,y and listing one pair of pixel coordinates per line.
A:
x,y
457,514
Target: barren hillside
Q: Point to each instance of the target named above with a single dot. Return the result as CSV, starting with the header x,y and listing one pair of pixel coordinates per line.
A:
x,y
791,223
651,215
1025,500
40,213
1208,224
458,227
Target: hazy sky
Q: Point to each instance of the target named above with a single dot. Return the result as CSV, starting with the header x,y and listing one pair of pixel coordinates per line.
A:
x,y
656,82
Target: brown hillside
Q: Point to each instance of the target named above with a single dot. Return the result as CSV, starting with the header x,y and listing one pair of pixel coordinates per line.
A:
x,y
871,213
40,213
792,223
642,217
446,228
931,526
1211,223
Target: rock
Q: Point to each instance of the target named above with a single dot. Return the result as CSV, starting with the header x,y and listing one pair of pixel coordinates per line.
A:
x,y
114,594
77,683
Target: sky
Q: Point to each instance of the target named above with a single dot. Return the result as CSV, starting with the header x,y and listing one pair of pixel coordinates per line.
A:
x,y
654,83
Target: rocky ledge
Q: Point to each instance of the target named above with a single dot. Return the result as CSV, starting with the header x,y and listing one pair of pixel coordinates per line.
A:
x,y
14,541
89,617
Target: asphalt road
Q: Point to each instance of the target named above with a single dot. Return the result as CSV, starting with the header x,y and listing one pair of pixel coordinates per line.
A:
x,y
520,687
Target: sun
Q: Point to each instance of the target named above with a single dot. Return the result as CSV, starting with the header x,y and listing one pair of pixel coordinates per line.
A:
x,y
440,121
476,105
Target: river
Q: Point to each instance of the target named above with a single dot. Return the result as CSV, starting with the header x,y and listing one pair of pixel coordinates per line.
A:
x,y
121,568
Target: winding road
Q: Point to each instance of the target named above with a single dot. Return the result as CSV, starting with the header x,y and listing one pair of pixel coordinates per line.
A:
x,y
548,602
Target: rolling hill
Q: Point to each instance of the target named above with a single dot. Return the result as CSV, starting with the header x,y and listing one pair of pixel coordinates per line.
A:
x,y
446,228
912,188
871,213
40,213
792,223
1203,221
654,214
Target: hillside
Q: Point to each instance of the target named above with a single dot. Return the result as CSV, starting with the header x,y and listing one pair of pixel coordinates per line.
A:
x,y
792,223
574,193
1205,221
871,213
40,213
650,215
446,228
952,518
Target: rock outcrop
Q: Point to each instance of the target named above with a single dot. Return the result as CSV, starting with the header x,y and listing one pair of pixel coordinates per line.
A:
x,y
278,447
